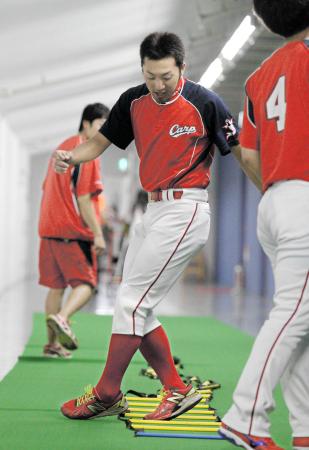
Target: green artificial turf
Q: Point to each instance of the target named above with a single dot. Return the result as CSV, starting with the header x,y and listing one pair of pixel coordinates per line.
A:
x,y
31,394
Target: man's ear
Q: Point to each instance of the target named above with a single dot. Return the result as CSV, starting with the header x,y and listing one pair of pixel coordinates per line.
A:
x,y
86,124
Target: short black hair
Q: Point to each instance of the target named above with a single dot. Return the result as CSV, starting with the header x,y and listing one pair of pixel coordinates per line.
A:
x,y
162,45
92,112
283,17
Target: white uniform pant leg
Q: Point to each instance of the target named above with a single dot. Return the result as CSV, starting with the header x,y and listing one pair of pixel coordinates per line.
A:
x,y
136,241
173,232
294,385
284,234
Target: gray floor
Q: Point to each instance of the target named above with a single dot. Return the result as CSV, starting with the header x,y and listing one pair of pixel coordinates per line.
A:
x,y
18,304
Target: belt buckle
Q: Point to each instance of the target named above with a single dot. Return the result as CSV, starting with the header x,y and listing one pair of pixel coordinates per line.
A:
x,y
177,194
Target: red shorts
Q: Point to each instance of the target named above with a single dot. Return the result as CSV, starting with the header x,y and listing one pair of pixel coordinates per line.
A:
x,y
67,263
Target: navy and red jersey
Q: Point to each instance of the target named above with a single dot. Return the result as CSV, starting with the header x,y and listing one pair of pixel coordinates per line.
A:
x,y
175,140
59,213
276,114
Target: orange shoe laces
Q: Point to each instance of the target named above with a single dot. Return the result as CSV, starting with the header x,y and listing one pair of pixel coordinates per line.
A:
x,y
86,397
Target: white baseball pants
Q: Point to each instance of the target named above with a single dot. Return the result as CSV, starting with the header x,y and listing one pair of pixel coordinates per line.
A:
x,y
281,349
170,233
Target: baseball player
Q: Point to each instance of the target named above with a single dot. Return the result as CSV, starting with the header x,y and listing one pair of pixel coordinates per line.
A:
x,y
71,237
275,137
175,124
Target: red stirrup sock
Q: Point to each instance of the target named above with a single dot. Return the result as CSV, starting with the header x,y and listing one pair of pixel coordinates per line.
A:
x,y
156,350
121,350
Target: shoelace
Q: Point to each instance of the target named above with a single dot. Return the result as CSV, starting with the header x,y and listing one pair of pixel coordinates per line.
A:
x,y
163,392
86,397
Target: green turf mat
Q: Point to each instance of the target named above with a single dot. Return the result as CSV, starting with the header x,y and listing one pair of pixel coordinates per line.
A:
x,y
93,333
36,430
30,395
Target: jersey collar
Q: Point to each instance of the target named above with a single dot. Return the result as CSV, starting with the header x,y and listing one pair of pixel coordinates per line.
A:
x,y
176,94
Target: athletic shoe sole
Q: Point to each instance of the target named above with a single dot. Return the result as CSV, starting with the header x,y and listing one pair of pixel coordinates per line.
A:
x,y
185,405
65,339
56,356
109,412
234,439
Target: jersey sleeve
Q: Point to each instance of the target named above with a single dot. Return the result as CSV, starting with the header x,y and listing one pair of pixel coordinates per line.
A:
x,y
221,125
248,135
118,127
88,180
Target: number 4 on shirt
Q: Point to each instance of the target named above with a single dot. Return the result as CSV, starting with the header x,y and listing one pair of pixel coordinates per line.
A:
x,y
276,104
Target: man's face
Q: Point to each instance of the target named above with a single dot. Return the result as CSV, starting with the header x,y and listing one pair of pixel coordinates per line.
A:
x,y
90,129
161,77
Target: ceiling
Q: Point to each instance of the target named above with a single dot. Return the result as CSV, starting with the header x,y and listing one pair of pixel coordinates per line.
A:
x,y
58,55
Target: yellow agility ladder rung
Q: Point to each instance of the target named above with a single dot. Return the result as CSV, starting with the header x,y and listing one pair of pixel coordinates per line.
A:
x,y
173,428
207,415
153,405
206,423
145,409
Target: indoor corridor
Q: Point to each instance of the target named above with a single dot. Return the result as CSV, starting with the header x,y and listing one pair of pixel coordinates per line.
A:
x,y
18,304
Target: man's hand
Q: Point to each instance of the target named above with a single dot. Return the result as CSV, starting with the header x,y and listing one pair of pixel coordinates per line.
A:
x,y
62,161
87,151
99,245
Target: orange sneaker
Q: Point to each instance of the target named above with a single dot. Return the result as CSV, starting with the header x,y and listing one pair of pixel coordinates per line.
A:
x,y
89,406
174,403
247,441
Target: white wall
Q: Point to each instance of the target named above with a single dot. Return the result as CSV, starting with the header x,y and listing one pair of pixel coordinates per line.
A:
x,y
38,165
14,175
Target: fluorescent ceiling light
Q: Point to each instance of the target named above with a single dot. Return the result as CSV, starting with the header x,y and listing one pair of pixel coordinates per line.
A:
x,y
238,39
212,73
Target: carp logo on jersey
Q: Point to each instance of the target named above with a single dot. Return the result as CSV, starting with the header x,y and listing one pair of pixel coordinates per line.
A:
x,y
177,130
230,127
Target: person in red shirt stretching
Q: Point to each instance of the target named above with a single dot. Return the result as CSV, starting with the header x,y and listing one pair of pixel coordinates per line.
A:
x,y
71,236
275,141
176,125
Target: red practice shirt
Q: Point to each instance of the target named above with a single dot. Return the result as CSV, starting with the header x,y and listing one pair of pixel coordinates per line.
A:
x,y
59,214
175,141
276,114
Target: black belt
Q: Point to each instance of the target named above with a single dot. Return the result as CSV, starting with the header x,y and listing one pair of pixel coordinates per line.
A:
x,y
66,240
60,239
